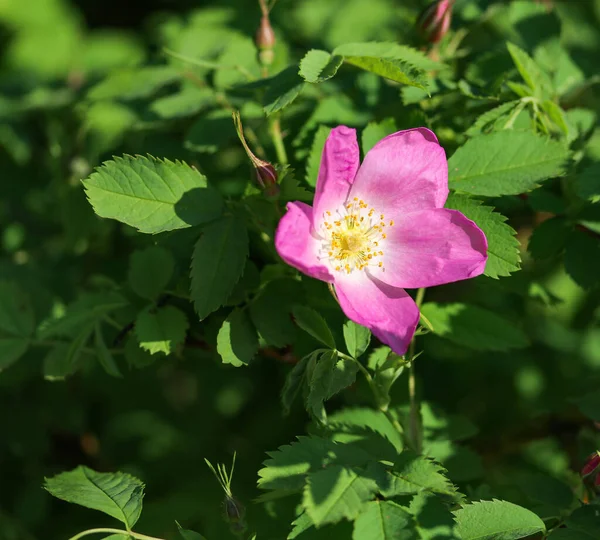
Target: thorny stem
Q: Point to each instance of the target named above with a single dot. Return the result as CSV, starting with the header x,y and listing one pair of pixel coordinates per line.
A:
x,y
114,531
414,422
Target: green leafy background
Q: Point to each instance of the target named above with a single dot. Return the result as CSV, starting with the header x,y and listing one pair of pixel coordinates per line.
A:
x,y
146,321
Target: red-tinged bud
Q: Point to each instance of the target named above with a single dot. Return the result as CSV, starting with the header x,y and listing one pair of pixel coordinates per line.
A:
x,y
265,37
266,175
434,21
592,463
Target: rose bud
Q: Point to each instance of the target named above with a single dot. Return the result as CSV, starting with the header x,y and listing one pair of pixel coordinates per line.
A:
x,y
434,21
591,464
266,175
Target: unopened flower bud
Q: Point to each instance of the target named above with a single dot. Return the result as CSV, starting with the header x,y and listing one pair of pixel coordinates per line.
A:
x,y
266,175
434,21
592,463
234,510
265,37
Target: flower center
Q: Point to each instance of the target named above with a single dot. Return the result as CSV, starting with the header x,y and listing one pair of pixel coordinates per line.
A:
x,y
353,237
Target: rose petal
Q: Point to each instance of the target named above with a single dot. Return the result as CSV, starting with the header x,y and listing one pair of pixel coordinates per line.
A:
x,y
297,244
431,248
403,173
390,313
339,163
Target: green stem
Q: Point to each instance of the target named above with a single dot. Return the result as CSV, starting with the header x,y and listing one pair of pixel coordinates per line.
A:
x,y
113,323
176,294
277,138
373,388
208,64
114,531
414,421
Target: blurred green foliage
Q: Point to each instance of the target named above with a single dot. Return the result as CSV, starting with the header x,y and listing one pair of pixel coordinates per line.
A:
x,y
508,417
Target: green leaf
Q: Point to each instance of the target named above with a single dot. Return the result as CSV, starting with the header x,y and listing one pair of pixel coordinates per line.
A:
x,y
582,524
295,379
301,524
16,313
75,348
271,311
11,349
549,238
537,79
161,329
239,51
218,263
186,534
394,70
290,188
474,327
496,520
188,101
375,131
152,195
289,465
150,270
587,183
378,357
357,338
117,494
384,520
329,377
283,88
56,365
582,258
412,474
554,495
133,83
237,340
210,132
313,163
505,163
557,115
136,356
86,309
104,355
318,66
495,119
335,493
314,324
389,50
366,418
589,404
435,520
503,248
383,61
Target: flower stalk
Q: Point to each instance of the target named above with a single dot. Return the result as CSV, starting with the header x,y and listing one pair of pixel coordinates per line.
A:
x,y
415,431
266,175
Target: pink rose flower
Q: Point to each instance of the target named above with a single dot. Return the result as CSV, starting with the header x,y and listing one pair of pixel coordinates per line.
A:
x,y
377,228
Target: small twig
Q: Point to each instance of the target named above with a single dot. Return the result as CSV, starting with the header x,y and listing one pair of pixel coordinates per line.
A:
x,y
114,531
